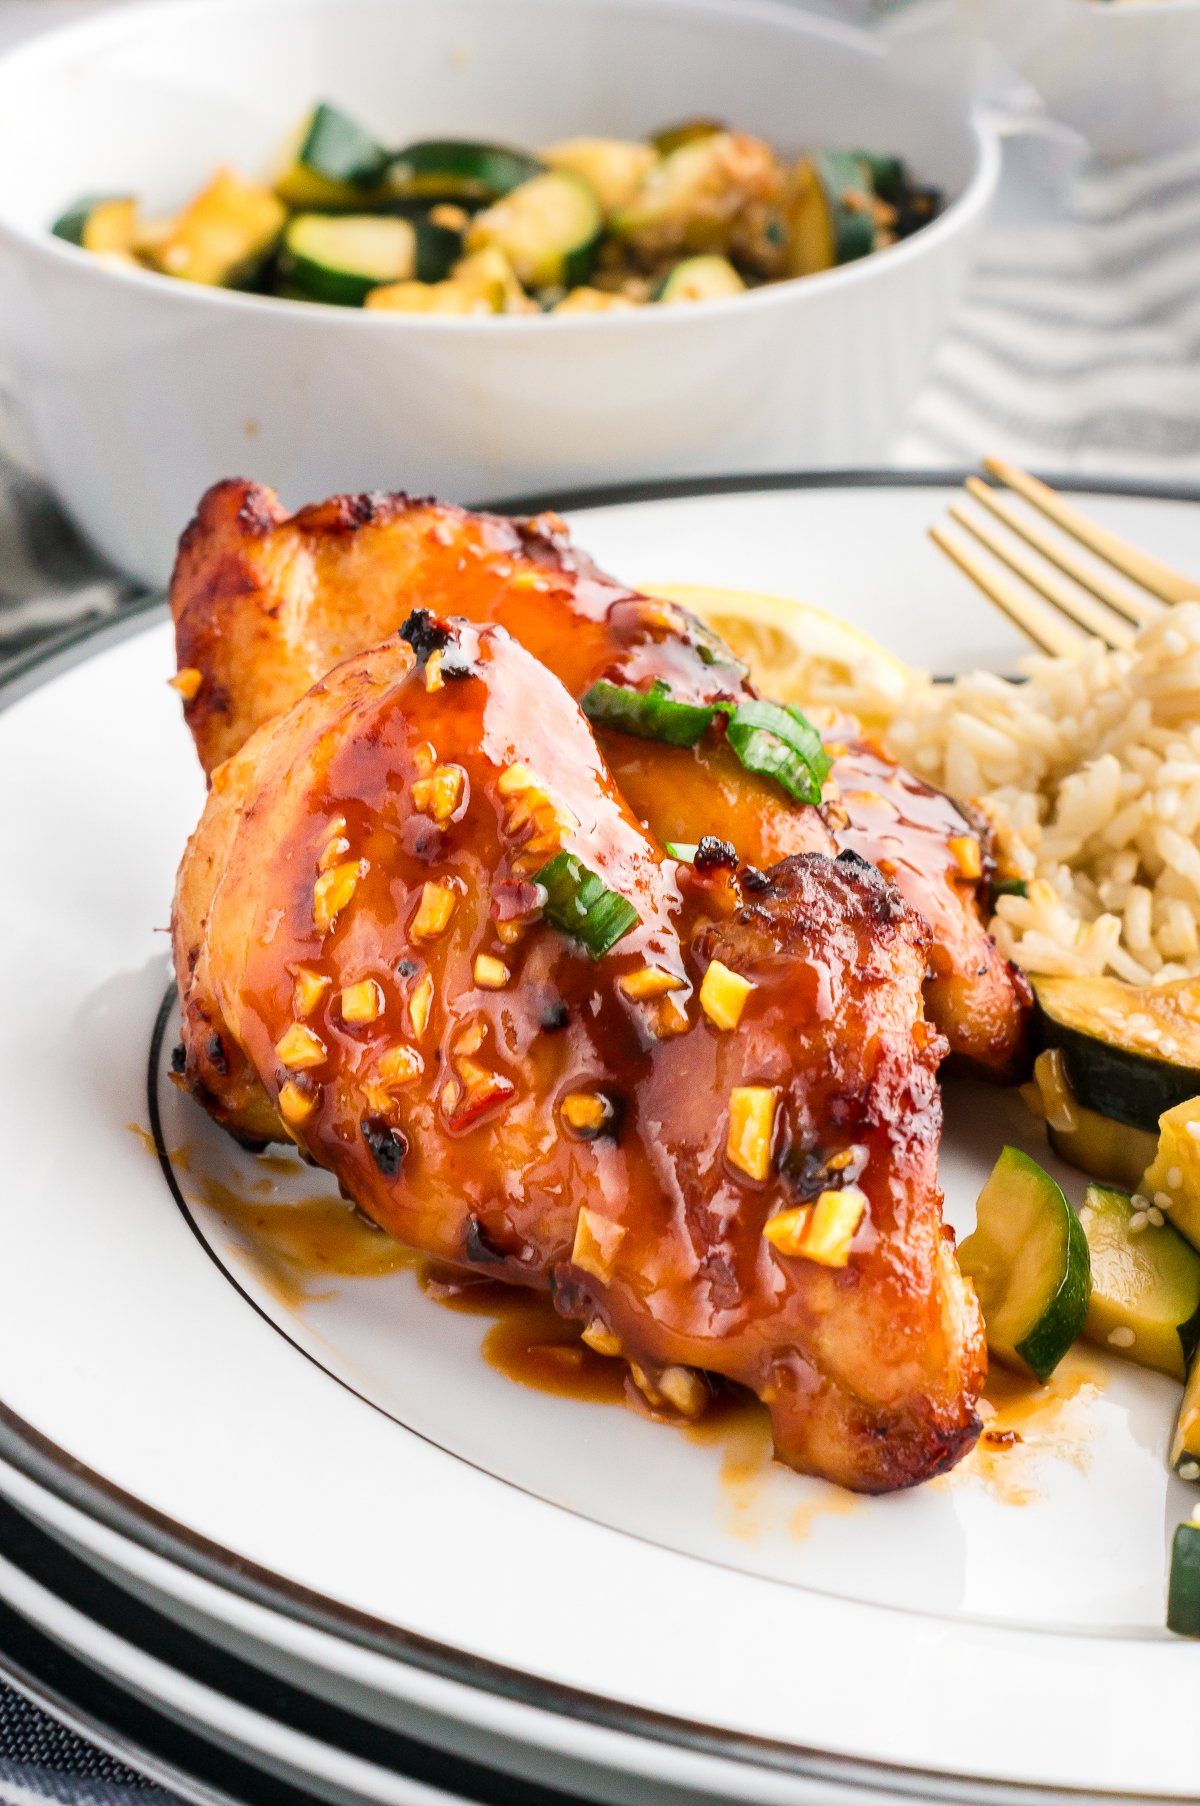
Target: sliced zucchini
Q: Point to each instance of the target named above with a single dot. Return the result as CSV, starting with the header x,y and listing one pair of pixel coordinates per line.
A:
x,y
1185,1444
100,222
689,202
458,169
611,167
828,213
1028,1258
340,258
1183,1594
1130,1052
439,247
1145,1285
700,279
1172,1177
329,162
686,132
548,229
1098,1146
1103,1149
886,175
224,236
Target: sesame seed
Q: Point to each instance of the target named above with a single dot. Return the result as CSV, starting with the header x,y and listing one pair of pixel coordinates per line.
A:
x,y
1137,1223
1138,1202
1193,1130
1175,1178
1189,1470
1156,1216
1164,1200
1121,1337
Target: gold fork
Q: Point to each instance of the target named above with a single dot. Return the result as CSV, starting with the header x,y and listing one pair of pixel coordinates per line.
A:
x,y
1070,582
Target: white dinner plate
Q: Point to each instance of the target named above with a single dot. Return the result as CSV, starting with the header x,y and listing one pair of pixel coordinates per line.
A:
x,y
338,1451
263,1740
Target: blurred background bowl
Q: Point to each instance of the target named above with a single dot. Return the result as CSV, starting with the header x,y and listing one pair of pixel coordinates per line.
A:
x,y
138,391
1126,76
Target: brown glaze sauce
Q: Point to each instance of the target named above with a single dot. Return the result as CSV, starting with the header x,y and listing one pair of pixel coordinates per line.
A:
x,y
1026,1426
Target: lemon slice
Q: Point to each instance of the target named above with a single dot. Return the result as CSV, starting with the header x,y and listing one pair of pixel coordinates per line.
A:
x,y
799,653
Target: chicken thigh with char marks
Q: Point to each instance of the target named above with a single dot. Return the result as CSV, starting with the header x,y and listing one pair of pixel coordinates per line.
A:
x,y
265,604
697,1103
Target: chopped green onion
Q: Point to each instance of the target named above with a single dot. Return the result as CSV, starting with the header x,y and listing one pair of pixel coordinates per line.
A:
x,y
1010,887
652,714
683,850
781,744
580,904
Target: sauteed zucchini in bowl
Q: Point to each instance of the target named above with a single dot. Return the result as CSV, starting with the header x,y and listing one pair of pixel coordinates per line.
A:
x,y
453,226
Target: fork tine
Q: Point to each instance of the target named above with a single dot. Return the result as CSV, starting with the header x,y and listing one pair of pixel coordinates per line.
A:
x,y
1115,595
1078,608
1167,584
1048,631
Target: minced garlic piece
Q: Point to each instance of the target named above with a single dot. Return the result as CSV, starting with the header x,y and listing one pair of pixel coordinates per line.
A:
x,y
333,891
491,974
683,1388
336,845
419,1004
600,1338
597,1241
670,1019
299,1048
650,981
515,778
965,848
362,1002
434,911
751,1127
822,1231
723,995
187,681
585,1111
433,672
308,991
439,794
399,1065
295,1104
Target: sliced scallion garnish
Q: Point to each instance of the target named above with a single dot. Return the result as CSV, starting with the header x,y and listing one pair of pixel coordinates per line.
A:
x,y
685,851
652,714
580,904
780,743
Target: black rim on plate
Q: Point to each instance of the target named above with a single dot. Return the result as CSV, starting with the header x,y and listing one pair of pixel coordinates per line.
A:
x,y
58,1473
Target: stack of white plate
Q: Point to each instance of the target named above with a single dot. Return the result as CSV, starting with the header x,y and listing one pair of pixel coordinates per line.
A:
x,y
303,1521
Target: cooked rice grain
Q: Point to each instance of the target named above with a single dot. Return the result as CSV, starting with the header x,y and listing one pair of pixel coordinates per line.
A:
x,y
1090,771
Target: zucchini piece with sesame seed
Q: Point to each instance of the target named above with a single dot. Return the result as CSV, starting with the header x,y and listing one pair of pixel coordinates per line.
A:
x,y
1185,1443
1145,1302
1172,1179
1028,1258
1130,1051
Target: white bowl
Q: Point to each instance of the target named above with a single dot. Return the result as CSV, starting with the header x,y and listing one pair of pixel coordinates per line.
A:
x,y
1126,77
139,390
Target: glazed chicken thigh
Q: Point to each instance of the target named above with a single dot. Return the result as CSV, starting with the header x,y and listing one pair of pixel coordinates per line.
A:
x,y
265,604
421,931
